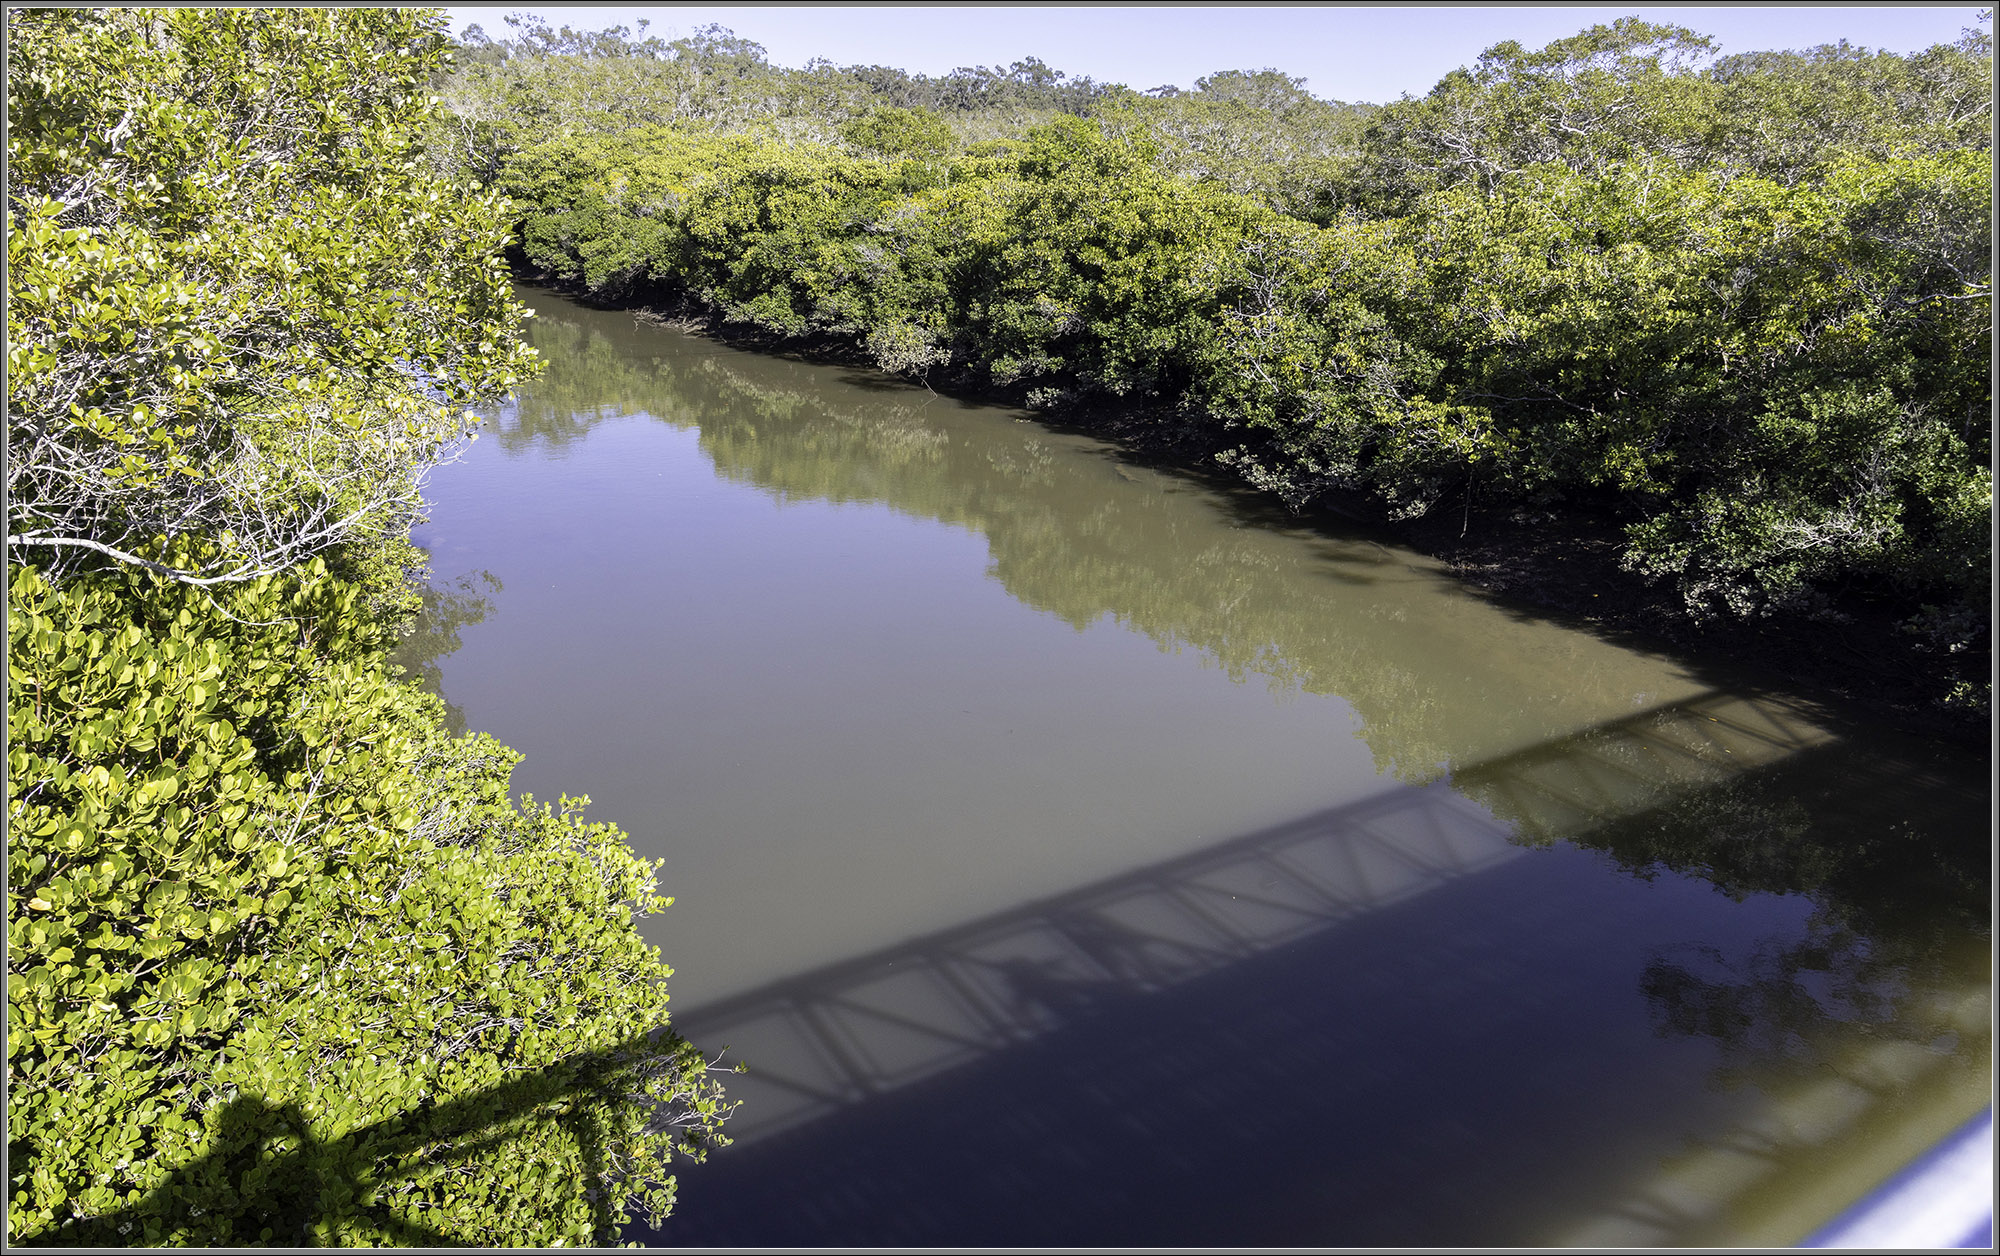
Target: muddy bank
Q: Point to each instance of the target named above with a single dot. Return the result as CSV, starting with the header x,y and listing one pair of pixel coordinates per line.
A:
x,y
1856,657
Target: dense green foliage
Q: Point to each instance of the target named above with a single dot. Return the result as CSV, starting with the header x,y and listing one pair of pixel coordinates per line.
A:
x,y
213,322
249,868
285,961
1258,133
1739,305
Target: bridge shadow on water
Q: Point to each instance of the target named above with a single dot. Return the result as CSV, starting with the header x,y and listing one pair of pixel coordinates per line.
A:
x,y
1388,1023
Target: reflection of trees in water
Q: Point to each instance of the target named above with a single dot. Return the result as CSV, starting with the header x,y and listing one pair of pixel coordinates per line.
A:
x,y
1826,823
1900,904
1742,830
1082,537
1888,847
1771,1004
591,373
1852,1038
1077,536
434,634
1743,835
1786,1010
1881,827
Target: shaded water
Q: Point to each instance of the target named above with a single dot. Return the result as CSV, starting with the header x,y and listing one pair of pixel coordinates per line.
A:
x,y
1081,853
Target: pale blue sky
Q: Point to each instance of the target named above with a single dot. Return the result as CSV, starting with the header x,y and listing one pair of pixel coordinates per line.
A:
x,y
1344,53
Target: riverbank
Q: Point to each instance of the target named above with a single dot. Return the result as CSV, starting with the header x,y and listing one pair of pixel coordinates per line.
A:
x,y
1854,657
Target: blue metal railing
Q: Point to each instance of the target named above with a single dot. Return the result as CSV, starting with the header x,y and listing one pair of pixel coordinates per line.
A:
x,y
1943,1199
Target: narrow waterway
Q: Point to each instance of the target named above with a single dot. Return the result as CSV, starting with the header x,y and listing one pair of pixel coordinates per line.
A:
x,y
1078,852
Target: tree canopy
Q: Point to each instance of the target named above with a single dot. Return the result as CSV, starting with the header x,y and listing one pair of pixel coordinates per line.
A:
x,y
286,963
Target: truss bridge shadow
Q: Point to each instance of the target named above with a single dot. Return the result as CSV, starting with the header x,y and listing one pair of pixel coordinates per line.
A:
x,y
1356,1015
1187,977
1617,769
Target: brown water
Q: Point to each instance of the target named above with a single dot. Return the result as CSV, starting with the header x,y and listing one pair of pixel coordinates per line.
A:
x,y
1082,853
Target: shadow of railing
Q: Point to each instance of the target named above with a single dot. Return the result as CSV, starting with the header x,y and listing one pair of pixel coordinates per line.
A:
x,y
1850,1111
1838,1111
268,1181
847,1032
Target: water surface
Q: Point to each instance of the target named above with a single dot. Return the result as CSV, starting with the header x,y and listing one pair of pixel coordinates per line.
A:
x,y
1080,852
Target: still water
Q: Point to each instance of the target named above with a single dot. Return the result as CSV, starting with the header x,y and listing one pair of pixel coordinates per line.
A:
x,y
1079,852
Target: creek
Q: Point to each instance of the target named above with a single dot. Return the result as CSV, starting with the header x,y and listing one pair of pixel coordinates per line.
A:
x,y
1084,852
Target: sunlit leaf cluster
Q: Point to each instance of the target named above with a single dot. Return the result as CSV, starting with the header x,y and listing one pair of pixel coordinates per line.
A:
x,y
260,904
214,323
